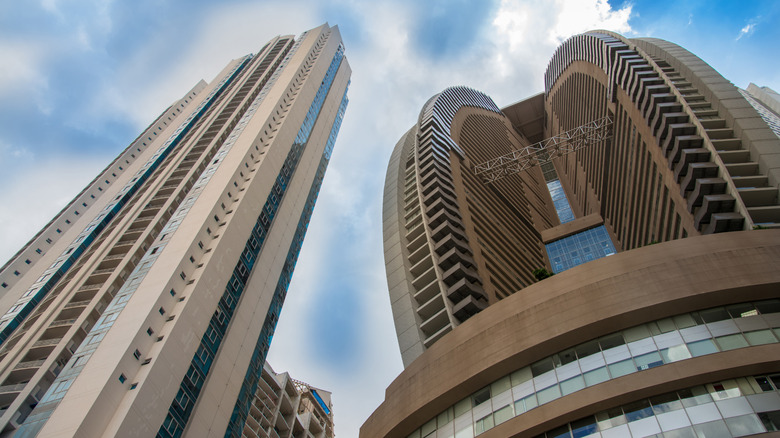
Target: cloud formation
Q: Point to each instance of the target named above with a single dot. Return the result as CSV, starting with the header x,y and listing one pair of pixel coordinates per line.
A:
x,y
747,30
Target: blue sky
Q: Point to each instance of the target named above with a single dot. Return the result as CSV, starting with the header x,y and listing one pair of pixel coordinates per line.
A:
x,y
79,80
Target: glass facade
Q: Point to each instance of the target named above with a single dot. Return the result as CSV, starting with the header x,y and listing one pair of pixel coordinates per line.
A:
x,y
580,248
730,408
629,351
560,201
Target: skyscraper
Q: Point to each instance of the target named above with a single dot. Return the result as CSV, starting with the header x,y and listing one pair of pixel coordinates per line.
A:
x,y
147,305
644,180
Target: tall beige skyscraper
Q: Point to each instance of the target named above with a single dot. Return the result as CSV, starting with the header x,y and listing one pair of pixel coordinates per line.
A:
x,y
648,184
147,305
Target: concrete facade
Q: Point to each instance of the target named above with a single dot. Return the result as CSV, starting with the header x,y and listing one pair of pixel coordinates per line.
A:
x,y
155,303
580,305
287,408
676,316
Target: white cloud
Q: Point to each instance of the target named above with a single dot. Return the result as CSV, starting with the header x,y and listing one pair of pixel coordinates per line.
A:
x,y
37,199
747,30
22,71
157,74
527,34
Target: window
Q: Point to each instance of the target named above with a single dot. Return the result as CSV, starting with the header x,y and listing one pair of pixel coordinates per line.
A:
x,y
200,245
161,310
134,385
149,331
122,378
5,285
137,354
27,261
76,212
16,273
58,230
38,251
67,221
48,241
147,361
481,397
183,275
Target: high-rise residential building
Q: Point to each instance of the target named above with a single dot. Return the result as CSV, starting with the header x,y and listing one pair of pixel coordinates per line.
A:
x,y
767,102
147,305
648,184
287,408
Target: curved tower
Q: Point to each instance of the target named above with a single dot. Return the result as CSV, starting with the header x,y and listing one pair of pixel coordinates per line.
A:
x,y
691,156
676,333
454,245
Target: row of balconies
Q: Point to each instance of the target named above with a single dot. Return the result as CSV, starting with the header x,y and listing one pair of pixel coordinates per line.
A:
x,y
681,144
454,257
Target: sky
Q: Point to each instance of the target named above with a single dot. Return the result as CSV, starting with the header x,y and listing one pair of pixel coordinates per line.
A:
x,y
80,79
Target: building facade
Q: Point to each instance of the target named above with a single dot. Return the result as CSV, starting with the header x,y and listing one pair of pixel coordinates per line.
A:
x,y
662,316
147,305
287,408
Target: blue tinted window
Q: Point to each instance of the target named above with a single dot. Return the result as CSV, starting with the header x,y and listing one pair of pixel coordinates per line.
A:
x,y
580,248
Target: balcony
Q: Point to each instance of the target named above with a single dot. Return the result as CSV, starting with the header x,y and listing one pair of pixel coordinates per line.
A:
x,y
713,204
46,343
77,304
464,288
29,364
434,305
459,271
683,142
453,256
468,307
62,323
696,171
674,130
705,186
668,120
426,293
9,392
435,322
688,156
450,242
658,112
